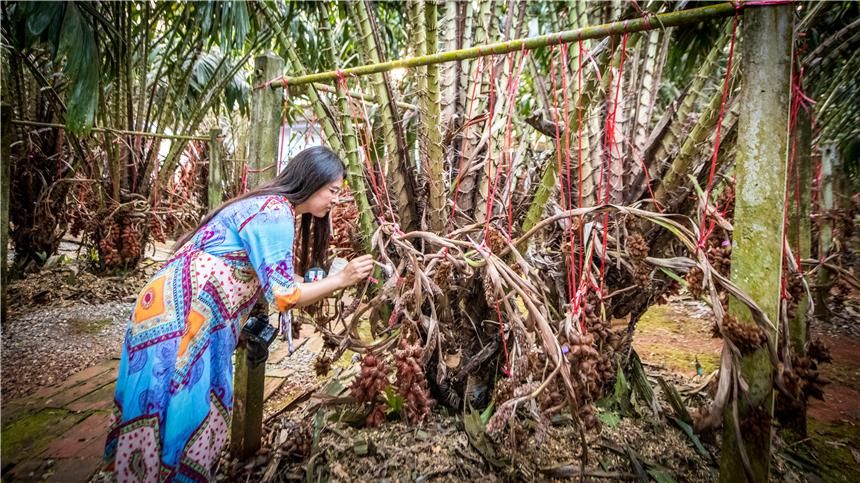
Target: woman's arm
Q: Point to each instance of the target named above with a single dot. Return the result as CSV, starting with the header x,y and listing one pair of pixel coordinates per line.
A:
x,y
355,271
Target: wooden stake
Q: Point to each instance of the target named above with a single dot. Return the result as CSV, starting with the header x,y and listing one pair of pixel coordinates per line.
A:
x,y
265,121
247,424
829,165
798,234
215,188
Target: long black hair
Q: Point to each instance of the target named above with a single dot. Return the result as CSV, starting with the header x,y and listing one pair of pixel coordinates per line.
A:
x,y
305,174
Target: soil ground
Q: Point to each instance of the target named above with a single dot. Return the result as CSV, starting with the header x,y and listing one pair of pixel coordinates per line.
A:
x,y
59,350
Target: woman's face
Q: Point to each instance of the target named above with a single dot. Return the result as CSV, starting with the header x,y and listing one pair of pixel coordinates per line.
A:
x,y
320,203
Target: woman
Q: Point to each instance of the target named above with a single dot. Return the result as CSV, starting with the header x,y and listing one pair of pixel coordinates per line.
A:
x,y
174,393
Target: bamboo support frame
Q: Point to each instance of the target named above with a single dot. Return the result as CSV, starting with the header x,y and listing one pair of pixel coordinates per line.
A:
x,y
22,122
663,20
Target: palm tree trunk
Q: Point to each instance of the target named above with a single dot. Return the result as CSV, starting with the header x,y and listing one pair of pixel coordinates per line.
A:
x,y
757,253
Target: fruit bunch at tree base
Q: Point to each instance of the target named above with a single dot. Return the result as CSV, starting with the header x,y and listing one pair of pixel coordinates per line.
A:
x,y
411,382
368,386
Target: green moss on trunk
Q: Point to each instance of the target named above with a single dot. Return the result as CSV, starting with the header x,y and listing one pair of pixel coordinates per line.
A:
x,y
757,243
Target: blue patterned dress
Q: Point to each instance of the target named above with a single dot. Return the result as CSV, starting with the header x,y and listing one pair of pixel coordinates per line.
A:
x,y
174,393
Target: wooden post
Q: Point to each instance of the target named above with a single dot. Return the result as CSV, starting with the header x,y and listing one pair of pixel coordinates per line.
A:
x,y
265,121
762,152
246,428
5,174
829,165
247,424
215,188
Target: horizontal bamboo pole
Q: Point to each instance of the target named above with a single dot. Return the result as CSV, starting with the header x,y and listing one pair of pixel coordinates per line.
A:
x,y
663,20
114,131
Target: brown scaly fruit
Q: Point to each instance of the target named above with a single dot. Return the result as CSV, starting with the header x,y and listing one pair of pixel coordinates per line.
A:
x,y
371,381
637,246
747,337
495,240
695,278
322,365
638,249
298,442
411,382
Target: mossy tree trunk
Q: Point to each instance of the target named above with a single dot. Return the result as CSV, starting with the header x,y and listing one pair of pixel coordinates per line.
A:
x,y
829,167
758,236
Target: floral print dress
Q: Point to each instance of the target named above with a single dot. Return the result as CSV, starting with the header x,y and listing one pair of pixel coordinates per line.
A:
x,y
174,393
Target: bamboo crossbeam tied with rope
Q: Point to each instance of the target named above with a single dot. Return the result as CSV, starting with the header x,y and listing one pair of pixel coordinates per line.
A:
x,y
648,22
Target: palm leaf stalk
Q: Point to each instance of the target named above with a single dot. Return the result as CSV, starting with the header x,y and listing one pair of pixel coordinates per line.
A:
x,y
418,31
450,71
648,87
466,187
396,164
582,101
503,77
320,107
432,128
669,139
354,168
676,176
616,108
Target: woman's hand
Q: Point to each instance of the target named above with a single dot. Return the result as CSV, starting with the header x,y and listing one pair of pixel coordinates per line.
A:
x,y
356,270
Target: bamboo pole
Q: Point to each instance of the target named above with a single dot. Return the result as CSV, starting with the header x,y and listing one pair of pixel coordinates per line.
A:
x,y
662,21
22,122
757,252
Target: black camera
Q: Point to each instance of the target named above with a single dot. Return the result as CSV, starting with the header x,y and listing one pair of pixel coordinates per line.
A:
x,y
257,335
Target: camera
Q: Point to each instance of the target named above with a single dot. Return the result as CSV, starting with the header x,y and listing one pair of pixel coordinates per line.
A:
x,y
257,335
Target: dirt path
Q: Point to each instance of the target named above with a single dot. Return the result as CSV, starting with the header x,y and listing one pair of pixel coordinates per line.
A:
x,y
675,335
